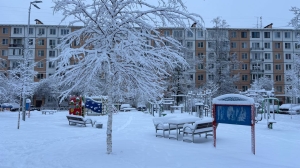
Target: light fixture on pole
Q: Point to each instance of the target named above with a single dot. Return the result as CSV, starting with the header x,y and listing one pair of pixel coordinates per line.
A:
x,y
26,57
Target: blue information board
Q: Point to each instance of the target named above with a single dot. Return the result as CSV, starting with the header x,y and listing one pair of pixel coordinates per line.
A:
x,y
93,105
233,114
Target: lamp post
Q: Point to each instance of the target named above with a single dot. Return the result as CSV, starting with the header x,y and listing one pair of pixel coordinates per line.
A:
x,y
26,57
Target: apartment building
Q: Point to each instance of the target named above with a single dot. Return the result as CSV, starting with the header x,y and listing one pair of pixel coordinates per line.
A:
x,y
262,52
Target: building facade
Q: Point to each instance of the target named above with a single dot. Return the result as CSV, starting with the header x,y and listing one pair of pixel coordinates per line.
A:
x,y
262,52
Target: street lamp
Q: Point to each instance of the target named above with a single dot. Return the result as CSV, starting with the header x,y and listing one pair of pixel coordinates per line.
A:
x,y
26,57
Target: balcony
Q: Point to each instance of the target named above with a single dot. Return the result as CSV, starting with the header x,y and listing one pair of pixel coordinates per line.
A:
x,y
256,71
16,45
256,49
257,60
15,57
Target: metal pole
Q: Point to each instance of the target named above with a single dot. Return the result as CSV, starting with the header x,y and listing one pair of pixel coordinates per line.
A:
x,y
25,63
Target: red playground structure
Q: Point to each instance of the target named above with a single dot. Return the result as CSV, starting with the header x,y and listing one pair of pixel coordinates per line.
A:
x,y
75,105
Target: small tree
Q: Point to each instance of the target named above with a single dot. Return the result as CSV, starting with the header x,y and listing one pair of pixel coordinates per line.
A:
x,y
263,83
295,21
115,43
220,65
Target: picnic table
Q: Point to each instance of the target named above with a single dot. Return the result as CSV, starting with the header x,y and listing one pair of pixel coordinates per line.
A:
x,y
178,123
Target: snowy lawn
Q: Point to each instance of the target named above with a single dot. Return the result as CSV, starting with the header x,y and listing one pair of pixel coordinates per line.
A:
x,y
47,141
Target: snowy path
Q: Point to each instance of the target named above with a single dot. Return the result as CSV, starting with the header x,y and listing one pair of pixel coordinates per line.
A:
x,y
47,141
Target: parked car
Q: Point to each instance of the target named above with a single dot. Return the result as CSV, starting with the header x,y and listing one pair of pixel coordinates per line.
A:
x,y
125,106
141,107
289,108
11,106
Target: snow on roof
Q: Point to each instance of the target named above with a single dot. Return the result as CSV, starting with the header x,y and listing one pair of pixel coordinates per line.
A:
x,y
233,99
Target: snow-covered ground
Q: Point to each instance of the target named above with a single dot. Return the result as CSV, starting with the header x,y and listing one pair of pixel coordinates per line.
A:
x,y
47,141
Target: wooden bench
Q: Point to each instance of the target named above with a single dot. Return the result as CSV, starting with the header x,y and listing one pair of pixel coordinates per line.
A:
x,y
49,111
73,120
199,127
161,124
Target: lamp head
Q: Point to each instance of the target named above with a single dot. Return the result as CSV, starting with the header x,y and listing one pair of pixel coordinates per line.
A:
x,y
36,1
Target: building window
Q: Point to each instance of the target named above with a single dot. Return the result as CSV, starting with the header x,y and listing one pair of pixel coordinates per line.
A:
x,y
177,33
288,66
4,52
210,77
268,67
51,65
30,30
40,53
287,45
200,77
288,56
278,77
255,34
4,30
256,56
41,42
189,44
200,55
52,31
267,56
166,33
200,66
244,45
51,53
244,34
30,41
3,64
200,44
244,88
278,56
277,34
210,44
4,41
189,34
287,34
233,44
244,77
40,64
244,56
267,35
277,67
233,34
297,46
40,76
41,31
277,45
18,30
15,52
267,45
278,88
52,43
64,31
199,33
244,66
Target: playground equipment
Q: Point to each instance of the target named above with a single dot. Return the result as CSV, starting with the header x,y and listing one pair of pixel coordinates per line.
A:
x,y
266,109
96,105
75,105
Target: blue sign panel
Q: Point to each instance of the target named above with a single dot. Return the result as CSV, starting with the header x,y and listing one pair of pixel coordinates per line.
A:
x,y
93,105
233,114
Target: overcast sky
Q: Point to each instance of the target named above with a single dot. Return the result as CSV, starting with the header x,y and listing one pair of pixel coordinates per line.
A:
x,y
237,13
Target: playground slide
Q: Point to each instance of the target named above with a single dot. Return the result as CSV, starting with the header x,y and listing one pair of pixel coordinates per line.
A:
x,y
93,105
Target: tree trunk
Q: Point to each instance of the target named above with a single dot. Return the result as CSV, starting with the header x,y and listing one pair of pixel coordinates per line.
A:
x,y
109,130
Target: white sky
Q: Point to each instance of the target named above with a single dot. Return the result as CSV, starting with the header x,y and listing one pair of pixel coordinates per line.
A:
x,y
237,13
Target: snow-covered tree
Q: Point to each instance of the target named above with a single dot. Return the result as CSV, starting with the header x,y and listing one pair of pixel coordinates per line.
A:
x,y
263,83
120,43
293,78
220,65
295,21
